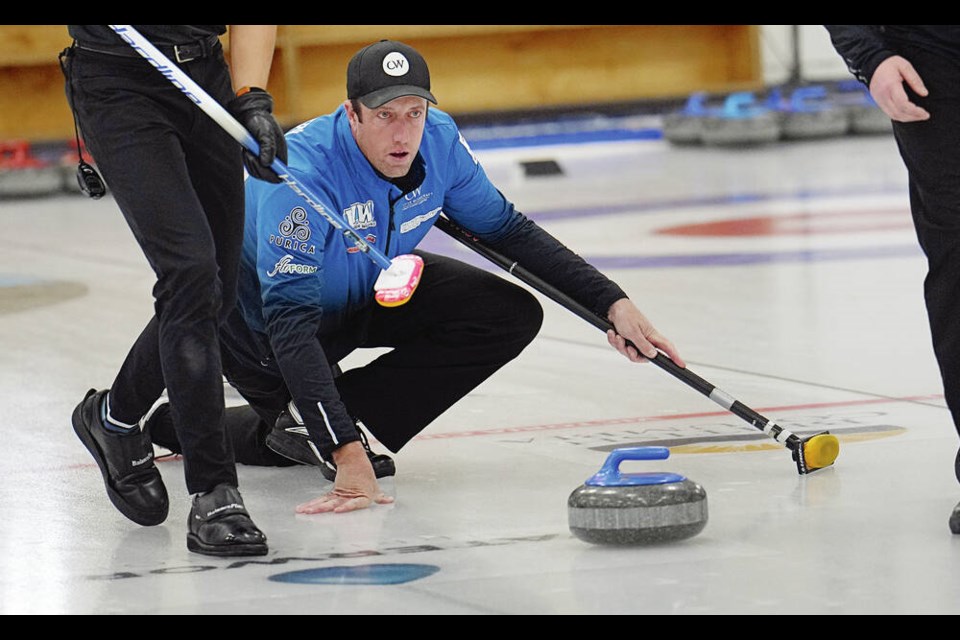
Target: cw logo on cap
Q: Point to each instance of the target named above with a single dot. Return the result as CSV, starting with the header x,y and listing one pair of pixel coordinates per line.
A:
x,y
395,64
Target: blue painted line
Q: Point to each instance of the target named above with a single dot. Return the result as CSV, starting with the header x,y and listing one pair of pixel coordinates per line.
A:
x,y
16,281
375,574
582,129
582,137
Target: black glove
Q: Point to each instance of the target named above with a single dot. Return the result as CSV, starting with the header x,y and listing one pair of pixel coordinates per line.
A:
x,y
254,109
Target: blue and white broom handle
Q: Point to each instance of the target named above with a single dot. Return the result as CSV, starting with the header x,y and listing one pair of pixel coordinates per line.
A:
x,y
238,132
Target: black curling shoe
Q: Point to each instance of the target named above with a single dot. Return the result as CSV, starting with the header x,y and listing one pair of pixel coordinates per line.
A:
x,y
219,525
133,482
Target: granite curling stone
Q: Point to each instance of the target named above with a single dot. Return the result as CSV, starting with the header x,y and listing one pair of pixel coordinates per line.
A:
x,y
683,127
23,174
812,114
614,508
864,114
742,121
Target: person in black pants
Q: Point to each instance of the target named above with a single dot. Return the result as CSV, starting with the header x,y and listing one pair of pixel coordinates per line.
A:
x,y
389,164
913,74
444,343
177,177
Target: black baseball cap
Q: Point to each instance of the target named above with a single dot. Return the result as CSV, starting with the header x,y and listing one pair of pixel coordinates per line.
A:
x,y
385,70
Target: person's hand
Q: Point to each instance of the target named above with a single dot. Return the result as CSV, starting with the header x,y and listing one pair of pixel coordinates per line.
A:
x,y
886,87
630,324
254,109
355,487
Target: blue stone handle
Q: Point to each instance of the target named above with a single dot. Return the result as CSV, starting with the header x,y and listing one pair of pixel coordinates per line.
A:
x,y
609,474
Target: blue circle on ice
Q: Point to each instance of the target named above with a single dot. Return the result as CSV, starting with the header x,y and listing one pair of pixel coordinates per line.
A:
x,y
363,574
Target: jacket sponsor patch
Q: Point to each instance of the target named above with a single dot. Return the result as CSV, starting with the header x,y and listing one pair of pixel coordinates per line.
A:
x,y
360,215
371,239
416,221
293,232
286,265
415,198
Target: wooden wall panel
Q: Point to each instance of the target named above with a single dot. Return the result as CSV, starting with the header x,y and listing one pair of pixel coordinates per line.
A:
x,y
474,68
523,67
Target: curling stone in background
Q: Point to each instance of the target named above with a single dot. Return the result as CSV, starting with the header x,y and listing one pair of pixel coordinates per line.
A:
x,y
869,119
862,111
810,114
743,120
636,508
683,127
22,174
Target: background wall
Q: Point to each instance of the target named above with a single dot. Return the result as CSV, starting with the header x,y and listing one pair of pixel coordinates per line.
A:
x,y
480,68
818,59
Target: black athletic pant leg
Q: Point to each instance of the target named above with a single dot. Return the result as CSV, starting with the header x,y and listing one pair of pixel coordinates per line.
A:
x,y
460,326
177,178
931,152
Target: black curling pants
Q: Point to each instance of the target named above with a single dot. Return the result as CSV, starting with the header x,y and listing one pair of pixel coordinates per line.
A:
x,y
178,179
461,325
931,152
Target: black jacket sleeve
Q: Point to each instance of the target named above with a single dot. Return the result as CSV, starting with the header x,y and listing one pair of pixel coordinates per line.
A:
x,y
292,329
861,46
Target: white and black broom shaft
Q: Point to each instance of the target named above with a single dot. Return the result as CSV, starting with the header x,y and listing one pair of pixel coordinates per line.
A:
x,y
663,361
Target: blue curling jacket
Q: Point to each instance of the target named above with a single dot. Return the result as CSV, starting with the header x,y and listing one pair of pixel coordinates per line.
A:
x,y
301,278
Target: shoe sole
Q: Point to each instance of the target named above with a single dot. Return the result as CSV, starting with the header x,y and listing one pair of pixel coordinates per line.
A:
x,y
383,465
292,453
144,518
232,550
